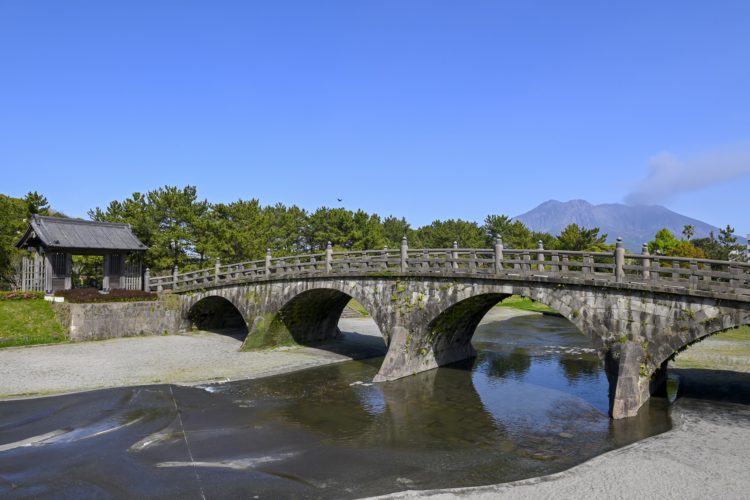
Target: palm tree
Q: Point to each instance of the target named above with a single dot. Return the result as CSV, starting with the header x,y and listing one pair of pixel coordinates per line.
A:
x,y
689,231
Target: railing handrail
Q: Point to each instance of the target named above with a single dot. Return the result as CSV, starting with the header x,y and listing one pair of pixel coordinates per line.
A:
x,y
706,274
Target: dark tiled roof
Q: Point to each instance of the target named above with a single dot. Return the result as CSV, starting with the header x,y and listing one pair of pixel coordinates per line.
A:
x,y
59,232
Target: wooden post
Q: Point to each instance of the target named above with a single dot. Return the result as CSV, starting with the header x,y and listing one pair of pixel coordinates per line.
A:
x,y
498,254
646,262
329,258
68,268
619,260
540,256
404,255
105,266
268,262
147,280
48,273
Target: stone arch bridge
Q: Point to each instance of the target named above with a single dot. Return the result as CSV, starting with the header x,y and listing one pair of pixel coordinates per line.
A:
x,y
637,310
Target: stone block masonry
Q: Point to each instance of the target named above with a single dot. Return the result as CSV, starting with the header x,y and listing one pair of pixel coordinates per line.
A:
x,y
119,319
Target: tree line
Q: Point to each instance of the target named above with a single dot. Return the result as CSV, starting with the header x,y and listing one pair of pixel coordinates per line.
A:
x,y
183,230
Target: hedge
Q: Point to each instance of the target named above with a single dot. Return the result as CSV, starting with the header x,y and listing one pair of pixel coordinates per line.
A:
x,y
86,295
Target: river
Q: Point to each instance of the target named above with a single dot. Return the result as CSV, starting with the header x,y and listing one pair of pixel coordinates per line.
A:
x,y
533,402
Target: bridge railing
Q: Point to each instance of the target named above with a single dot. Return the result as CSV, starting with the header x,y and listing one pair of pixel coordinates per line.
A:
x,y
617,266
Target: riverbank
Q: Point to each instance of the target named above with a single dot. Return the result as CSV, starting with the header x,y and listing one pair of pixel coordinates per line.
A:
x,y
189,359
705,455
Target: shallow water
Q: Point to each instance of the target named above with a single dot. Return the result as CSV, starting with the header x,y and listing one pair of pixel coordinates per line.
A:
x,y
533,402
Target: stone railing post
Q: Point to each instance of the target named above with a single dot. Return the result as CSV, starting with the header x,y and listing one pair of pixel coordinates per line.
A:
x,y
619,260
646,262
404,254
498,254
454,255
329,258
268,262
540,256
217,265
174,278
147,280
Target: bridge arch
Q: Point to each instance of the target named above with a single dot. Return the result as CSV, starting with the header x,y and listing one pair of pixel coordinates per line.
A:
x,y
307,312
454,327
715,326
217,314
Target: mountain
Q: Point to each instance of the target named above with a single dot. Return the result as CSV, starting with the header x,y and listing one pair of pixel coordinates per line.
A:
x,y
636,224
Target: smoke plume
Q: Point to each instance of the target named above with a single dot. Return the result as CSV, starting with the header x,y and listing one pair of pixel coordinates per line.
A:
x,y
669,176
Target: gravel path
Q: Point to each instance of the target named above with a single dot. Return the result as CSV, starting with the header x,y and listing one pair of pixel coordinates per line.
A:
x,y
180,359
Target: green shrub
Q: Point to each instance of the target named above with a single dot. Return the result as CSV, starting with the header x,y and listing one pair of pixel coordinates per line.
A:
x,y
89,295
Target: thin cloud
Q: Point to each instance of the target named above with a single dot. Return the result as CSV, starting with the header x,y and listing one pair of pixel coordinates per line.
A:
x,y
670,176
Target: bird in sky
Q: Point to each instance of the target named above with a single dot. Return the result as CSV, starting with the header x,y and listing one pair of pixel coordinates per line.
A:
x,y
340,200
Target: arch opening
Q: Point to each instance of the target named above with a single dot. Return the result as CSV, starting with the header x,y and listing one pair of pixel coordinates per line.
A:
x,y
331,320
218,315
518,340
714,367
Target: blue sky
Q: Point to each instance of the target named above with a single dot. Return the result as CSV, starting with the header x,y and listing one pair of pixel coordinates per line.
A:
x,y
426,109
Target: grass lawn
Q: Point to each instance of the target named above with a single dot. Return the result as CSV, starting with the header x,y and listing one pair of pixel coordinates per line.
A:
x,y
518,302
28,322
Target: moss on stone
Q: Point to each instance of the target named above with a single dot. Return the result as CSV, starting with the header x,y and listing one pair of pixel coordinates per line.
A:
x,y
268,332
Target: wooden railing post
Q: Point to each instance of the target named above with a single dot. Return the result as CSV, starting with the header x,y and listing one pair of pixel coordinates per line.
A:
x,y
646,262
268,262
404,254
329,258
498,254
540,256
174,278
454,255
619,260
147,280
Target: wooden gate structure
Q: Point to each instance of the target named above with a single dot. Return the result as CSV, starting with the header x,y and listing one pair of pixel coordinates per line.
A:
x,y
53,241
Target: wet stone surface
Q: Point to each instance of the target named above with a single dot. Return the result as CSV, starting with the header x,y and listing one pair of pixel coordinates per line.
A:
x,y
533,402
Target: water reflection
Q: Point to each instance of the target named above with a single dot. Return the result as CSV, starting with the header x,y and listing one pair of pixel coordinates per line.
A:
x,y
513,364
577,368
533,402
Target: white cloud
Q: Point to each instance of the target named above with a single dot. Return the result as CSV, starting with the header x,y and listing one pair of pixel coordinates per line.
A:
x,y
669,176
